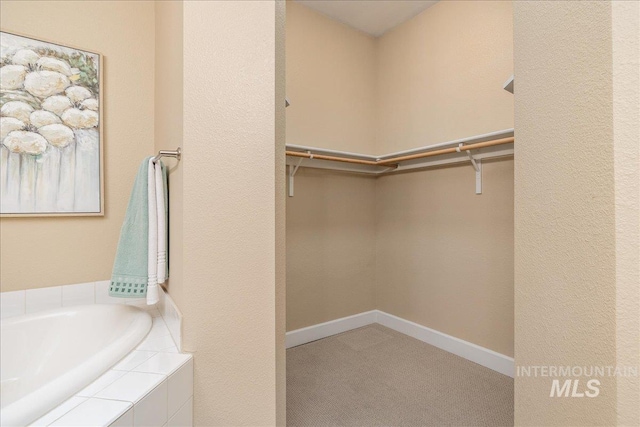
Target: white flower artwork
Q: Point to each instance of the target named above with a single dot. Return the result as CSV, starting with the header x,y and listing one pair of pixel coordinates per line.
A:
x,y
50,129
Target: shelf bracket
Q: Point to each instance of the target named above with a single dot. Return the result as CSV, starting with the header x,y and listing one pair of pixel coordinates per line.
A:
x,y
292,172
477,166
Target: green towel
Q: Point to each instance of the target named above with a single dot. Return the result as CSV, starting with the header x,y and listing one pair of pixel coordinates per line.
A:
x,y
130,269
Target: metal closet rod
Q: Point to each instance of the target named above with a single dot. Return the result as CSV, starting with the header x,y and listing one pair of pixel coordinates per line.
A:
x,y
395,160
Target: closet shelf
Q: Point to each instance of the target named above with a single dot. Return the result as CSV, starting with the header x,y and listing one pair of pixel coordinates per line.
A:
x,y
508,85
421,157
470,150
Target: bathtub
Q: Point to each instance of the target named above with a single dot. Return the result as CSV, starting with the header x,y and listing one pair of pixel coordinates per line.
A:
x,y
47,357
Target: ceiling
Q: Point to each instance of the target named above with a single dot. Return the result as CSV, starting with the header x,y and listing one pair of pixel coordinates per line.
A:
x,y
374,17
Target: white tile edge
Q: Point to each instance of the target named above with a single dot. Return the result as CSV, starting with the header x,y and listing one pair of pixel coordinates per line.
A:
x,y
57,300
184,405
167,308
482,356
116,417
5,305
170,313
169,374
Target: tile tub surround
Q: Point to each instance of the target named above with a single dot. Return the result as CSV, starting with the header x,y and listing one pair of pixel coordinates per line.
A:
x,y
139,391
151,386
30,301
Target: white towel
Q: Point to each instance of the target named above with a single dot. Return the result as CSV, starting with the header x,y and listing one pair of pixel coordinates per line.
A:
x,y
162,224
152,258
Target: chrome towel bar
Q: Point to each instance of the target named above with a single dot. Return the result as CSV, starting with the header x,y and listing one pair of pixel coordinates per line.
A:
x,y
168,153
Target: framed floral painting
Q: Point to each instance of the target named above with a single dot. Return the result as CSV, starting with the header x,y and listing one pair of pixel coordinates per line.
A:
x,y
51,160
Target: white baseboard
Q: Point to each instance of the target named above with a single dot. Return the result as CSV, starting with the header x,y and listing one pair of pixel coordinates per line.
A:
x,y
475,353
480,355
326,329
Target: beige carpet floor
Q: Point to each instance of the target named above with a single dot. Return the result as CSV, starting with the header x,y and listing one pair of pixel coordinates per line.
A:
x,y
374,376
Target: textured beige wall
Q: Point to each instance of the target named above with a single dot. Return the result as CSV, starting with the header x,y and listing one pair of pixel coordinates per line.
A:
x,y
280,213
626,131
330,82
38,252
440,75
444,255
565,248
169,126
330,221
330,247
232,208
